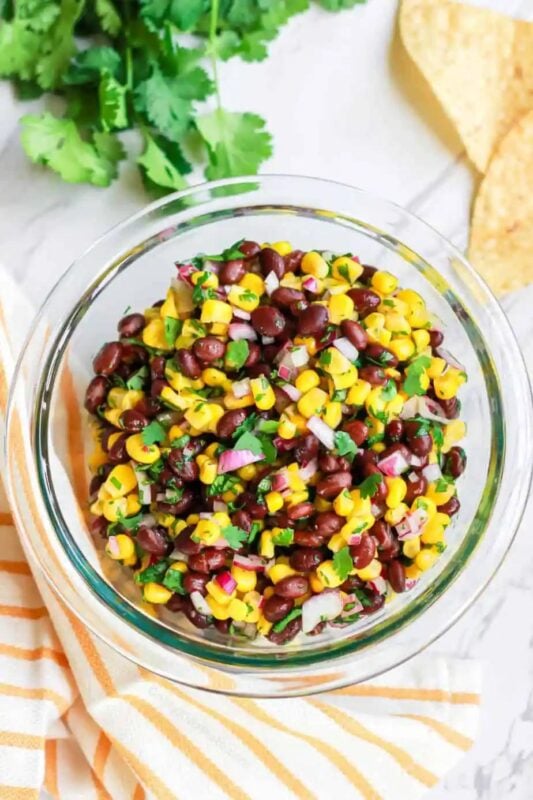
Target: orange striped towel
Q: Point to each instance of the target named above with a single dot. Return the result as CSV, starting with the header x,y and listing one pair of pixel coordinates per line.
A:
x,y
82,721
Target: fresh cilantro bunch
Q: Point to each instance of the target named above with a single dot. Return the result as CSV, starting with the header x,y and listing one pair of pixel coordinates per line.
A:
x,y
121,64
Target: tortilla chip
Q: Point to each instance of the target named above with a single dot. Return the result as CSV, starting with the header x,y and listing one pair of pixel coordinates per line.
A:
x,y
501,240
479,64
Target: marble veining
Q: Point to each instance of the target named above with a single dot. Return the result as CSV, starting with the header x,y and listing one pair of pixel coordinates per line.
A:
x,y
400,145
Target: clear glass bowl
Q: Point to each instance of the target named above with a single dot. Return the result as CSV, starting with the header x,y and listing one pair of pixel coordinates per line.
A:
x,y
131,267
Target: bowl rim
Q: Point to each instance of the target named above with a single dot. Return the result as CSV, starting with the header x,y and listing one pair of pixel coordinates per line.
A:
x,y
178,642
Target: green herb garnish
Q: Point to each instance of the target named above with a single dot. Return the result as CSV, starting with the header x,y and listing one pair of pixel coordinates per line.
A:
x,y
154,573
370,485
412,385
172,329
343,562
345,445
284,538
153,433
237,353
137,380
282,624
234,536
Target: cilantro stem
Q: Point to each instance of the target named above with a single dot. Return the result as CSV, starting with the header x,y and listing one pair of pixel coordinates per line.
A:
x,y
213,23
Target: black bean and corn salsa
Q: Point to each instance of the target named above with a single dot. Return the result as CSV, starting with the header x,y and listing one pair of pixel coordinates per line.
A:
x,y
276,442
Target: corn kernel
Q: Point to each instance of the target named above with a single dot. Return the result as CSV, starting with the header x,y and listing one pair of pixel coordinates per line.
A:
x,y
453,432
321,504
394,406
336,542
179,566
313,264
207,531
315,583
346,380
263,393
120,481
242,297
253,282
340,307
421,339
412,572
374,403
246,579
312,402
213,377
395,515
133,505
307,380
205,279
154,335
298,497
266,545
156,593
231,402
216,591
237,610
371,572
120,547
263,625
286,429
411,548
403,348
384,282
358,393
440,497
216,311
282,247
274,501
328,575
447,385
346,269
426,558
141,452
113,415
436,368
343,504
169,309
248,472
279,571
334,362
396,491
218,610
332,414
308,342
208,471
164,519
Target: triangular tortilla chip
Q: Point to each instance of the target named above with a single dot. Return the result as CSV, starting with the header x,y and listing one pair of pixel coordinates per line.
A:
x,y
479,64
501,240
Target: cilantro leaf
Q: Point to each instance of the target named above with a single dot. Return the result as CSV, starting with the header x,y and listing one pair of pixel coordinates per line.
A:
x,y
162,163
153,433
234,536
269,449
109,17
284,538
172,328
339,5
248,425
173,580
345,445
282,624
236,143
221,484
247,441
414,372
363,598
343,562
87,66
389,391
154,573
112,98
237,353
369,486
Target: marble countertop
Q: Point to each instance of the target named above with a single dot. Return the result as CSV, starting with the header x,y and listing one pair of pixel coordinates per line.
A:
x,y
343,102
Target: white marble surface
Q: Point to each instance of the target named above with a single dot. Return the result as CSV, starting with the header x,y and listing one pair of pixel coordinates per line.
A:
x,y
343,102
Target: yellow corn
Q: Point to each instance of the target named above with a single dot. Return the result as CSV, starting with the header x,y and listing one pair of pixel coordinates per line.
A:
x,y
371,572
282,247
156,593
412,572
263,625
395,515
133,505
314,264
358,393
242,297
447,385
436,368
248,472
126,547
141,452
154,335
346,380
332,414
421,340
217,592
208,471
394,406
336,542
246,579
120,481
263,393
274,501
346,269
334,362
286,428
343,504
113,415
216,311
384,282
328,575
412,547
266,545
396,491
426,503
253,282
312,402
308,342
340,307
298,497
374,402
426,558
440,497
316,584
453,432
434,529
218,610
206,279
231,402
402,347
280,571
307,380
207,531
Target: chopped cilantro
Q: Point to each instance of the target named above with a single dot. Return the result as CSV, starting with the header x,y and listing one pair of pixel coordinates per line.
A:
x,y
363,598
221,484
181,441
282,624
389,391
440,547
136,381
438,436
231,253
264,485
345,445
248,296
174,494
284,538
154,432
153,573
269,426
130,523
247,441
254,530
377,437
369,486
412,385
234,536
442,484
270,452
325,358
343,562
237,353
339,395
246,426
116,483
173,580
172,329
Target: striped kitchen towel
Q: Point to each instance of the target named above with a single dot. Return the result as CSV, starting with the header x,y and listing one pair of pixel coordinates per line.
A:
x,y
84,722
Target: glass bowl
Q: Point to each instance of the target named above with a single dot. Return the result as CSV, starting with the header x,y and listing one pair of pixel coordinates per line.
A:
x,y
131,267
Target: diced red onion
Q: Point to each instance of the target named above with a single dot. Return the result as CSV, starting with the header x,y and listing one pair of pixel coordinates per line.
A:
x,y
241,314
310,284
411,526
309,470
267,340
112,546
410,583
200,604
378,585
286,373
423,407
271,283
393,464
185,272
251,563
283,350
205,515
355,539
226,581
299,356
322,431
161,497
432,473
231,460
144,487
241,388
280,480
292,391
218,506
415,461
321,607
241,330
450,359
351,600
220,544
376,510
177,555
347,349
412,477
